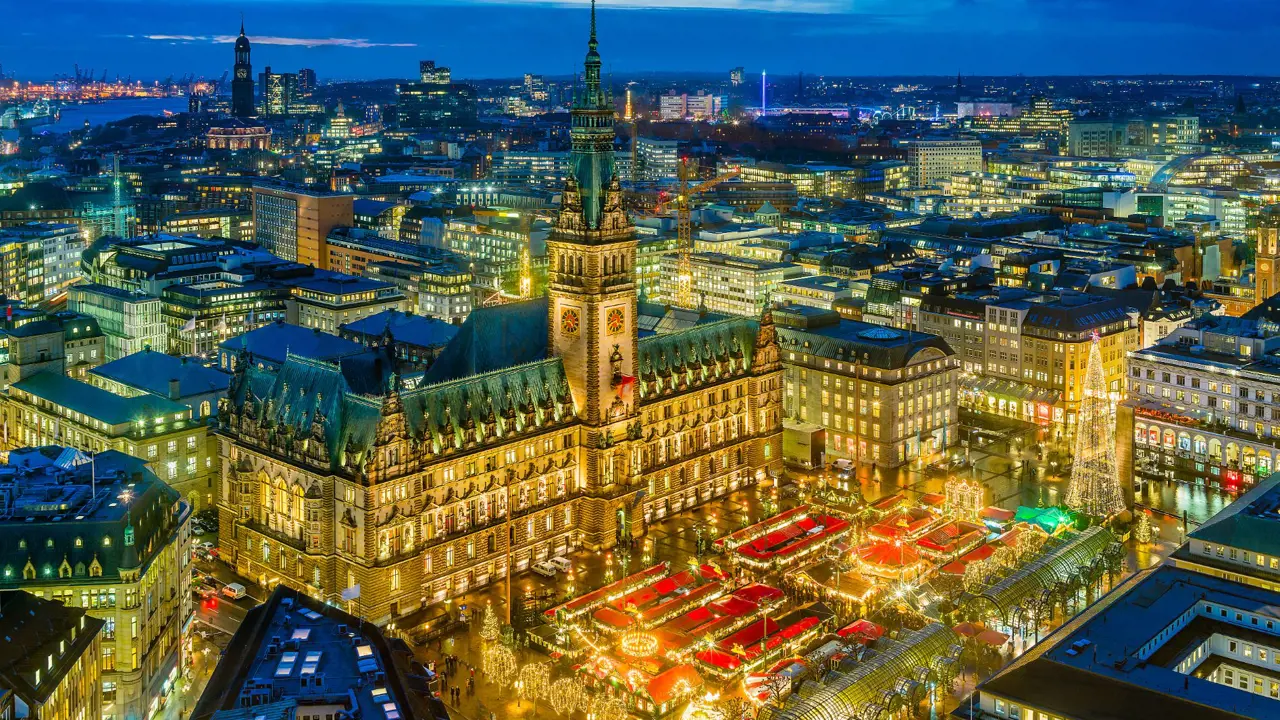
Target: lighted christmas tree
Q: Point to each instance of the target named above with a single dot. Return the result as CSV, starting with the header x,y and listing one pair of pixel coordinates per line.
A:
x,y
1095,484
1142,530
489,629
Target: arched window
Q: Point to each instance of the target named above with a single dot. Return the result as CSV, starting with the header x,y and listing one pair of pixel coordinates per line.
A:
x,y
204,409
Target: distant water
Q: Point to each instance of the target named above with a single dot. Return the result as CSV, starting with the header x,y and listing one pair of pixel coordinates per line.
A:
x,y
73,116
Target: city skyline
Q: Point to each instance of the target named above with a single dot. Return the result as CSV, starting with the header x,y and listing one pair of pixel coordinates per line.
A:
x,y
385,39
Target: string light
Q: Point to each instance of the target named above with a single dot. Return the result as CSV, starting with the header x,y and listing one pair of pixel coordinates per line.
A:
x,y
638,644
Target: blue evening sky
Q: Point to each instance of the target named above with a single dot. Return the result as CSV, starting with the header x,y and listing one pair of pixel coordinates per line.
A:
x,y
504,38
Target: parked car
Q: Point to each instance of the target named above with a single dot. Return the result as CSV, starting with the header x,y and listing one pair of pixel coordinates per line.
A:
x,y
561,563
544,568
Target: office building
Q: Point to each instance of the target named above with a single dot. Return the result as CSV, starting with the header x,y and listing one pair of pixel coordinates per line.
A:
x,y
292,222
215,223
432,75
727,284
51,408
436,106
702,106
735,76
817,291
130,321
307,82
1172,130
445,292
1097,138
329,302
933,161
242,80
657,160
539,395
279,92
52,665
884,396
501,237
22,263
297,658
124,561
55,246
224,192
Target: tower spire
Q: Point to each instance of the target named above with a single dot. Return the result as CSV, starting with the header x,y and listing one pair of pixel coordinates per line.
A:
x,y
242,23
592,42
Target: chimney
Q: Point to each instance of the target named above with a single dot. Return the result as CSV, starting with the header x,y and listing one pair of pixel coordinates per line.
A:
x,y
173,389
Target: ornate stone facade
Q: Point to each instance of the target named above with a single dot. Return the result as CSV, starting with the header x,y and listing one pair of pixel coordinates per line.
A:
x,y
336,476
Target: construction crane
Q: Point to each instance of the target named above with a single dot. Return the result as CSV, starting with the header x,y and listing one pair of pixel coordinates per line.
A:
x,y
684,229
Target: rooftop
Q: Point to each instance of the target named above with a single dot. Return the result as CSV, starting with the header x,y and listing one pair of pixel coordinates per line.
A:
x,y
295,648
404,327
272,342
874,345
1104,665
151,371
96,403
33,630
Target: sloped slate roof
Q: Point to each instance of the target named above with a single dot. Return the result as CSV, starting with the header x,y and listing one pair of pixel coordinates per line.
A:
x,y
698,346
501,396
494,338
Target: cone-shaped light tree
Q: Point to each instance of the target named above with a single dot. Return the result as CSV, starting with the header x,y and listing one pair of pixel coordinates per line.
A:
x,y
1095,485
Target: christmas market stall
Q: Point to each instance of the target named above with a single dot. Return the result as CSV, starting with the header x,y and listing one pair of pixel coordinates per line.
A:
x,y
784,540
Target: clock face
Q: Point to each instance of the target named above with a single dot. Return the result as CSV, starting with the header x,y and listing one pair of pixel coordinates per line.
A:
x,y
614,321
569,321
241,73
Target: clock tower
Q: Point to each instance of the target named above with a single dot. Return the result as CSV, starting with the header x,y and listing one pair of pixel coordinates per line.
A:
x,y
592,296
242,83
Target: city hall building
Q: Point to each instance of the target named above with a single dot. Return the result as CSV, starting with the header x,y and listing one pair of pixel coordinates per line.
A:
x,y
543,426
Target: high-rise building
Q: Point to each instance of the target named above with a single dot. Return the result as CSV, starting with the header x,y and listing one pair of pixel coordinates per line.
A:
x,y
22,264
306,82
539,407
933,161
436,106
279,92
432,75
242,82
735,76
292,222
117,546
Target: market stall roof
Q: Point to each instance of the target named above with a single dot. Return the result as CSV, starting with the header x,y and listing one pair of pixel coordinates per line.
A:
x,y
864,628
698,595
969,629
996,514
759,593
733,606
717,658
932,499
885,554
690,620
613,618
598,596
662,688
